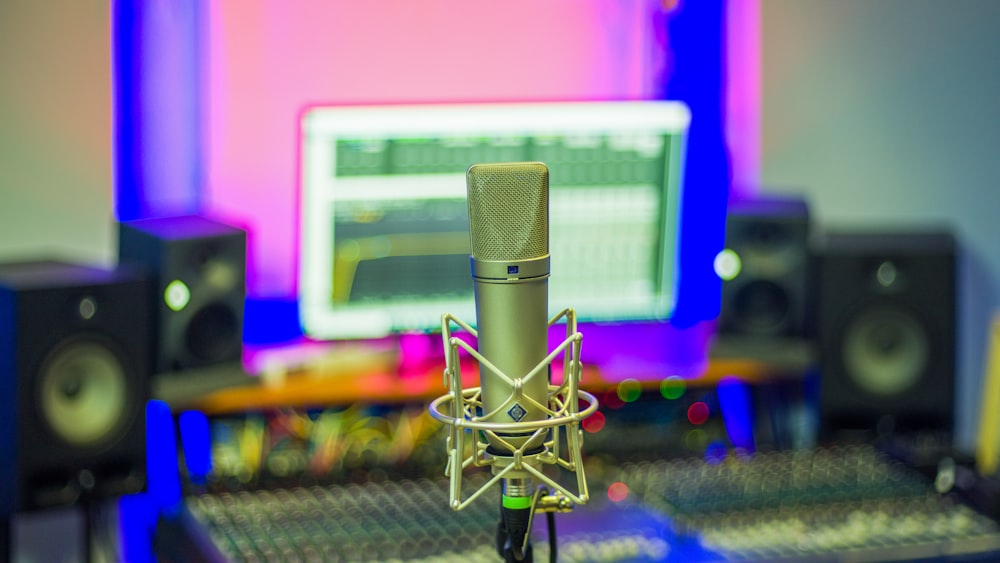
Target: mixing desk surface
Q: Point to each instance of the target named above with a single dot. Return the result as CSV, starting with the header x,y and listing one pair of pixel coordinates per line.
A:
x,y
844,503
830,504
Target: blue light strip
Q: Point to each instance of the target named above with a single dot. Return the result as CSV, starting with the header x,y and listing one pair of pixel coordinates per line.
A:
x,y
197,444
136,526
158,137
696,31
736,405
139,513
162,471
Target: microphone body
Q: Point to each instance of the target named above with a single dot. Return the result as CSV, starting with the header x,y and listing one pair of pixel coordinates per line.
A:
x,y
508,225
518,419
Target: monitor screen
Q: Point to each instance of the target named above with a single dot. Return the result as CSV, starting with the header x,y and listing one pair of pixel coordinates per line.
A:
x,y
384,242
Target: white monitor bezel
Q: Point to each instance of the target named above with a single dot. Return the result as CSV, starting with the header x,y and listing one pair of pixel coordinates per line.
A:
x,y
321,126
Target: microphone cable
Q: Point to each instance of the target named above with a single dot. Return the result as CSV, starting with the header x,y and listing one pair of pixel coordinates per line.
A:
x,y
513,532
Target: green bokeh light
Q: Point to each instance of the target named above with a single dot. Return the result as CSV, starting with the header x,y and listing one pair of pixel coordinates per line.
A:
x,y
629,390
696,440
728,264
177,295
673,387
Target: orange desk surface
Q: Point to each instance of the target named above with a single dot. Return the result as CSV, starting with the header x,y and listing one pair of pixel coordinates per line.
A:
x,y
383,384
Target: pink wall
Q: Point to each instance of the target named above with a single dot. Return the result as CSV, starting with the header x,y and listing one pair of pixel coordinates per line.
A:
x,y
742,97
267,60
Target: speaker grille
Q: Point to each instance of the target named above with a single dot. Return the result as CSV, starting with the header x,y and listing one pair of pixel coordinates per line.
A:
x,y
509,211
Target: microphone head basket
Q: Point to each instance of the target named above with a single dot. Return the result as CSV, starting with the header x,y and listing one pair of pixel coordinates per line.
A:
x,y
462,410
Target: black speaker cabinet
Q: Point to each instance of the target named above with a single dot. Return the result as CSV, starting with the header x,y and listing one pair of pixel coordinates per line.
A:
x,y
766,270
887,333
767,240
198,267
73,384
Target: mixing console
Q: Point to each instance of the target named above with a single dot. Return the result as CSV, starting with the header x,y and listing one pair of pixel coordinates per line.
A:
x,y
815,504
829,504
394,521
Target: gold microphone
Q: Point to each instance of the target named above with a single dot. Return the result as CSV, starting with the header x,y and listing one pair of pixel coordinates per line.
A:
x,y
509,229
517,413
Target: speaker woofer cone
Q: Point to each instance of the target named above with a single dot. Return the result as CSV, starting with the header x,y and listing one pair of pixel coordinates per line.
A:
x,y
885,350
83,393
213,333
761,307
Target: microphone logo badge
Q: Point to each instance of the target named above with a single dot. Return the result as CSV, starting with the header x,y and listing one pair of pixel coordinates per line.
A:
x,y
517,412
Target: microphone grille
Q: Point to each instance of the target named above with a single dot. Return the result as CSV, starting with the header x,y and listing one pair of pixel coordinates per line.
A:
x,y
509,210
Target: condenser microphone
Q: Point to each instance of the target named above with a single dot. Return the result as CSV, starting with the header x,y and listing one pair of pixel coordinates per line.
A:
x,y
518,420
509,231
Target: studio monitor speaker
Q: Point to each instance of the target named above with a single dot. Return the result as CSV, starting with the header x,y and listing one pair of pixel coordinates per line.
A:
x,y
73,384
766,269
887,332
198,268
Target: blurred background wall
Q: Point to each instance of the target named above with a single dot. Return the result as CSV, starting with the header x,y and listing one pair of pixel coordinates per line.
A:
x,y
885,113
880,112
267,62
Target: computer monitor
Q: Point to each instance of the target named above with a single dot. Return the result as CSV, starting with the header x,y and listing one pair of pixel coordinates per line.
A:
x,y
384,242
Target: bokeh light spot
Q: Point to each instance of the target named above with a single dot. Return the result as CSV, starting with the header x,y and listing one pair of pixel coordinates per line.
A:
x,y
617,492
716,452
673,387
698,413
177,295
612,401
629,390
695,440
727,265
594,423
